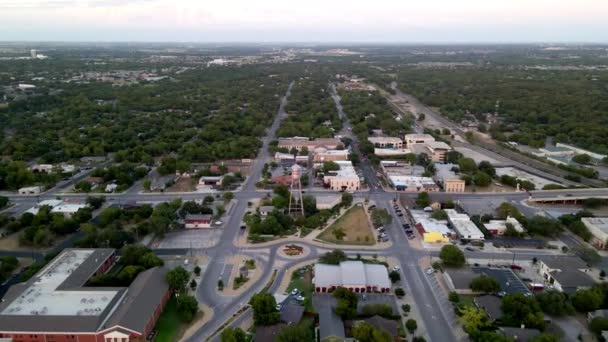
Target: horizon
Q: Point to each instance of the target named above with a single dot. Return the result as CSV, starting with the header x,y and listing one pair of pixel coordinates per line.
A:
x,y
273,21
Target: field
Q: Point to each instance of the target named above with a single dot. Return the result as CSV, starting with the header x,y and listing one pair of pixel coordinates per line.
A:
x,y
353,227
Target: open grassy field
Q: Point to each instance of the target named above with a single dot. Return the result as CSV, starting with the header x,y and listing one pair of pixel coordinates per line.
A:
x,y
353,226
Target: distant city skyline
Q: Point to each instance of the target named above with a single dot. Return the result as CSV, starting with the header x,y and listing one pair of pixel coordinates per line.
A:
x,y
430,21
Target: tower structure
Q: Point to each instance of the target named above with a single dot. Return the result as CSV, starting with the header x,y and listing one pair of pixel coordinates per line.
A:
x,y
296,204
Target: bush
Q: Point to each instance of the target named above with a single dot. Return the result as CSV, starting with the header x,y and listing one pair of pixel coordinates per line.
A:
x,y
399,292
454,297
383,310
395,276
411,325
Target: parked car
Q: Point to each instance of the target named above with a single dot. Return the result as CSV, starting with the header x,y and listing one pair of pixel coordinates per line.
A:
x,y
471,249
516,267
278,307
295,292
430,270
300,298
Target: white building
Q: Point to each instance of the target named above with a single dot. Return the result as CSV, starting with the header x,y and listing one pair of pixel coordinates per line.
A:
x,y
498,227
598,227
463,225
111,187
57,206
387,152
386,142
352,275
23,86
30,190
412,183
411,139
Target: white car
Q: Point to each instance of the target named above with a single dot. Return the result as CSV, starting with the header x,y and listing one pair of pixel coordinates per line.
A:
x,y
295,292
430,270
396,268
300,298
278,307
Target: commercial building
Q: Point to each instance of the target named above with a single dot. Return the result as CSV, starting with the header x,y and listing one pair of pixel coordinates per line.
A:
x,y
352,275
431,230
387,152
322,154
399,168
437,150
30,190
386,142
197,221
466,229
448,178
57,206
345,179
42,168
56,305
598,227
413,183
411,139
299,142
498,227
566,274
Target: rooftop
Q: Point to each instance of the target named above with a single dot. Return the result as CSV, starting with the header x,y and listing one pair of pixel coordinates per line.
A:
x,y
463,225
51,293
438,145
490,304
600,223
385,140
416,136
561,263
351,273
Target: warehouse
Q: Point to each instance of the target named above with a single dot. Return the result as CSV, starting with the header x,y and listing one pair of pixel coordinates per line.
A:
x,y
353,275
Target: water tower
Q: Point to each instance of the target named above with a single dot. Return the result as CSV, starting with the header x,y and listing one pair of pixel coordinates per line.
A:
x,y
296,204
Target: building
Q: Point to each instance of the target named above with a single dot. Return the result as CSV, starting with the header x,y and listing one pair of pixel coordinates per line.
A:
x,y
207,181
26,87
413,183
498,227
56,305
431,230
598,227
111,187
386,142
387,152
490,304
197,221
345,179
41,168
30,190
437,150
57,206
352,275
299,142
327,202
466,229
266,209
448,178
331,326
322,154
566,274
399,168
412,139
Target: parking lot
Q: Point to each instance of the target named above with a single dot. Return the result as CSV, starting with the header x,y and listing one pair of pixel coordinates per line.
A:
x,y
509,282
195,238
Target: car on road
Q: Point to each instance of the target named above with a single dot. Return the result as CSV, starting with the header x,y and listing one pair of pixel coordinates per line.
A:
x,y
243,227
501,294
516,267
409,232
430,270
400,214
470,249
278,307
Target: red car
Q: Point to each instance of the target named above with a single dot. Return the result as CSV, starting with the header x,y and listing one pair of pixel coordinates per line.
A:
x,y
516,267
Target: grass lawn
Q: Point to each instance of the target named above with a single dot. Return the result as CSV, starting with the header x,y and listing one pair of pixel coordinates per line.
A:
x,y
304,284
169,325
355,226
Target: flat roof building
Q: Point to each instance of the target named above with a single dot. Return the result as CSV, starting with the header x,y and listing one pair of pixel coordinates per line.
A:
x,y
413,183
566,274
192,221
352,275
322,155
345,179
386,142
463,225
299,142
498,227
56,304
411,139
448,178
598,227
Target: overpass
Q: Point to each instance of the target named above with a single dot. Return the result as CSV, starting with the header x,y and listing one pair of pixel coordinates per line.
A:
x,y
566,196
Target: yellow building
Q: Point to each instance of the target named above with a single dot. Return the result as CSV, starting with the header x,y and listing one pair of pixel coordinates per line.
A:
x,y
435,237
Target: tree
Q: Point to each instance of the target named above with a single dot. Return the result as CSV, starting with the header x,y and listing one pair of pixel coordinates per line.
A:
x,y
543,226
411,325
582,159
187,307
439,215
347,199
395,276
231,334
264,309
585,300
330,166
482,179
228,196
383,310
518,309
486,167
347,303
399,292
485,284
472,319
365,332
193,284
467,165
423,200
598,324
454,297
96,202
197,270
334,257
452,256
301,332
3,201
555,303
178,278
421,117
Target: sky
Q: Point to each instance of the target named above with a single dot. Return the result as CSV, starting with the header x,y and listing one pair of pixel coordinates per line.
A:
x,y
394,21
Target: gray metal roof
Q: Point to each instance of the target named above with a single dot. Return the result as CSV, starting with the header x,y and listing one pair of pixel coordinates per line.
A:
x,y
330,324
572,279
140,301
490,304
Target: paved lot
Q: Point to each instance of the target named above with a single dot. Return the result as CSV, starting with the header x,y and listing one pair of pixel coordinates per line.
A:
x,y
509,282
199,238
